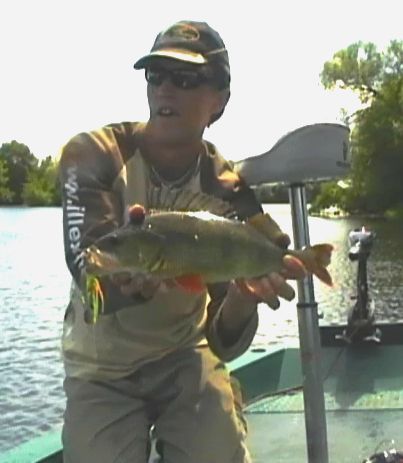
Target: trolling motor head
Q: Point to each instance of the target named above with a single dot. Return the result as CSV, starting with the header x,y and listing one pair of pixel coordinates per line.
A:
x,y
361,241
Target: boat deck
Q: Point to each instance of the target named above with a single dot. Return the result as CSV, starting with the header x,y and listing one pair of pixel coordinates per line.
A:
x,y
363,387
278,435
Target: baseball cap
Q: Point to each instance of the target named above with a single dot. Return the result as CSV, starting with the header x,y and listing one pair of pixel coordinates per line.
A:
x,y
192,42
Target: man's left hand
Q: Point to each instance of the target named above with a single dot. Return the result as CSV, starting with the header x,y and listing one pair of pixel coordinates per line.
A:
x,y
271,287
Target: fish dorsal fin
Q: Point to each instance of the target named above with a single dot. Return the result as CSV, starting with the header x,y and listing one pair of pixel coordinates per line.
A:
x,y
189,201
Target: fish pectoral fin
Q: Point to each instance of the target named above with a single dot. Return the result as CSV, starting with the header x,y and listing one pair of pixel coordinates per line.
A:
x,y
191,283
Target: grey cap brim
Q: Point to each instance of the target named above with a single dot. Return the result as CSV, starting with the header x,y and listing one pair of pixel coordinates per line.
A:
x,y
176,54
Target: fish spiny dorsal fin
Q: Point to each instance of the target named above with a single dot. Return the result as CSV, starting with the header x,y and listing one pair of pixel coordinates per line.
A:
x,y
189,201
265,224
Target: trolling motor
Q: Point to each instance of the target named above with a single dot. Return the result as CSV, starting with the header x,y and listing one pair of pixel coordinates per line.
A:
x,y
361,318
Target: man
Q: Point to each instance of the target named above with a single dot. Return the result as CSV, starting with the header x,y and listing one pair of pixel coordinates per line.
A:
x,y
156,357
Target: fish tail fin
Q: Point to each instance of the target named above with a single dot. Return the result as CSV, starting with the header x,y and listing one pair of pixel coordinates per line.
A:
x,y
316,258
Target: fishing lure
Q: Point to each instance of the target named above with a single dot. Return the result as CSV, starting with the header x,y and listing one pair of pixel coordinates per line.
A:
x,y
94,297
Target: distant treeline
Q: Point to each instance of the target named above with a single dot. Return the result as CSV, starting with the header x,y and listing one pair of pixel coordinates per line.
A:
x,y
24,180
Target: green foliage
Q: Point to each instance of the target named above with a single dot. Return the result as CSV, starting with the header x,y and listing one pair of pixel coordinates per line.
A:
x,y
395,213
358,67
377,128
6,195
41,188
378,153
330,194
19,162
25,180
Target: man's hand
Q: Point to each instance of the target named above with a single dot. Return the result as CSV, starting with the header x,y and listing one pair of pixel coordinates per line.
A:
x,y
142,284
270,288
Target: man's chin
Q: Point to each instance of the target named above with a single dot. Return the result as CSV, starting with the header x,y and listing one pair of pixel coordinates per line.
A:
x,y
171,129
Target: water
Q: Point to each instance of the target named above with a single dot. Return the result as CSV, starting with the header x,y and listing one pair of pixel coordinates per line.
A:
x,y
385,275
33,292
34,286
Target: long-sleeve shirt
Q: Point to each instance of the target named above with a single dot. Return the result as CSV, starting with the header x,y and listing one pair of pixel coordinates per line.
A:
x,y
102,173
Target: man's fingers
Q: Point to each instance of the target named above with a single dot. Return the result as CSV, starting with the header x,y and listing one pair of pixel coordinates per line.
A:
x,y
263,290
150,286
168,284
281,287
293,268
134,285
141,283
121,278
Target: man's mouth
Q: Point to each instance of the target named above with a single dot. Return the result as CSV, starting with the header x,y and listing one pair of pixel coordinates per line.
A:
x,y
166,111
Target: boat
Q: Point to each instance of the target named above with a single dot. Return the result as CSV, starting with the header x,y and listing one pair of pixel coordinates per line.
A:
x,y
334,396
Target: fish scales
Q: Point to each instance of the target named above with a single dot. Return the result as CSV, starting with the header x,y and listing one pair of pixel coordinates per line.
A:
x,y
182,244
211,246
194,248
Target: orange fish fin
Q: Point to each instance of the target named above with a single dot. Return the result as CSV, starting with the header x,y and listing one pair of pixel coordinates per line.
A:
x,y
191,283
316,258
323,275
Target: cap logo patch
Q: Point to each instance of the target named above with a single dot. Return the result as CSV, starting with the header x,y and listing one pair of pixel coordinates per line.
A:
x,y
182,31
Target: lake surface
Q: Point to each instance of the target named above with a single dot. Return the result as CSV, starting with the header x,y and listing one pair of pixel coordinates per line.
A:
x,y
34,287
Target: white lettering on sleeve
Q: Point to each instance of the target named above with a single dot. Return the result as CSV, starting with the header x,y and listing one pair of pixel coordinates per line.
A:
x,y
75,214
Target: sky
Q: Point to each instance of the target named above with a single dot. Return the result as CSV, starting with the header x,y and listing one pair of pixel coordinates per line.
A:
x,y
67,66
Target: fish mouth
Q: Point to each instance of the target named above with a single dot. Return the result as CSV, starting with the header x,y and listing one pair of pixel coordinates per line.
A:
x,y
99,262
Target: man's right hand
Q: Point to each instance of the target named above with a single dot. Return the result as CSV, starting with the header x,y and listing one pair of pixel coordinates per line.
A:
x,y
142,284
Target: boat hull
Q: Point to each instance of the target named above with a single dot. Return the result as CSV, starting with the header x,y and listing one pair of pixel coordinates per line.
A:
x,y
363,386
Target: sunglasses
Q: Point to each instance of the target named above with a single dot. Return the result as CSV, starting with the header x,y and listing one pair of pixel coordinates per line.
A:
x,y
182,78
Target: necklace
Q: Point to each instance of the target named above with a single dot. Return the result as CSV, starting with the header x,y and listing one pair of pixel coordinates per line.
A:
x,y
159,180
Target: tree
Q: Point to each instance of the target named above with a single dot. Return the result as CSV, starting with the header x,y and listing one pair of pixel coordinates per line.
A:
x,y
358,67
6,195
19,161
41,187
378,162
377,128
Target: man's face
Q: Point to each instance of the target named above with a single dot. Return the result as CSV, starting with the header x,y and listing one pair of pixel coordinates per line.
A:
x,y
181,98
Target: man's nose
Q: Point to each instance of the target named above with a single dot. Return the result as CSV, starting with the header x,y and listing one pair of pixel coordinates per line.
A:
x,y
166,85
